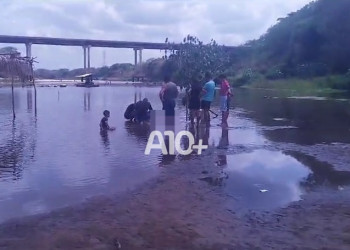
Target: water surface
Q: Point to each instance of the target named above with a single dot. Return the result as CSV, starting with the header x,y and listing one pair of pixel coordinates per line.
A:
x,y
59,157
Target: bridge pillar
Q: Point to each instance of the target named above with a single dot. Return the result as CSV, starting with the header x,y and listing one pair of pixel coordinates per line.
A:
x,y
140,56
135,51
84,48
88,57
28,50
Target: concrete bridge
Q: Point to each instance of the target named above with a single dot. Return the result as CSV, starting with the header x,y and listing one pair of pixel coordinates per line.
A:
x,y
86,44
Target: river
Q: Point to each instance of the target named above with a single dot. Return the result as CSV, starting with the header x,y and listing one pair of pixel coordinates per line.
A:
x,y
57,157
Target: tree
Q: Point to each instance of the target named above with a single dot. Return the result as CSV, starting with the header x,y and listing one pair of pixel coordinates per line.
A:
x,y
8,50
194,58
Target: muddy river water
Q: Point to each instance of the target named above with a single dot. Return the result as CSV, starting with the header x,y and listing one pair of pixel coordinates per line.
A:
x,y
57,157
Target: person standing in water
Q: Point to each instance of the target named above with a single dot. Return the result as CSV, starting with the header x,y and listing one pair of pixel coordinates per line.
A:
x,y
195,100
104,126
168,95
161,94
225,96
225,93
208,96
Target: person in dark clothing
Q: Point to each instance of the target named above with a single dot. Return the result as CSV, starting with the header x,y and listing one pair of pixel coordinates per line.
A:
x,y
142,110
104,126
195,100
129,113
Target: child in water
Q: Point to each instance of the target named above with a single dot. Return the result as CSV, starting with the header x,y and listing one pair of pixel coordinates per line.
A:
x,y
104,121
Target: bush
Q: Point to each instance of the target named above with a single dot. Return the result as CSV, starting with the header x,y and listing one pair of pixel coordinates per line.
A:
x,y
274,74
311,70
341,82
247,77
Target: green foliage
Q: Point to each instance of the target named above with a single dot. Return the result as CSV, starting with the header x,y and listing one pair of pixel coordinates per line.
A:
x,y
340,82
311,42
274,73
194,58
326,84
248,76
8,50
311,70
102,72
121,71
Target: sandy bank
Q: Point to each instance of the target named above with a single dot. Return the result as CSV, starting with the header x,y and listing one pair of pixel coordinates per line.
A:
x,y
179,211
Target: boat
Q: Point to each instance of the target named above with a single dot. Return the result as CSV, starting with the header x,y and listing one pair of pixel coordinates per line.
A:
x,y
86,81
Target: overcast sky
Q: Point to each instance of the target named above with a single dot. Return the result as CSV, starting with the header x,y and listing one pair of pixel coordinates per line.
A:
x,y
229,22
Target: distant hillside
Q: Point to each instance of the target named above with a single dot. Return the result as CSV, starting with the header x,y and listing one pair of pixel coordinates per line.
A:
x,y
313,41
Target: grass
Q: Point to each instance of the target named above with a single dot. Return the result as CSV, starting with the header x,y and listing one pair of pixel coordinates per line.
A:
x,y
319,85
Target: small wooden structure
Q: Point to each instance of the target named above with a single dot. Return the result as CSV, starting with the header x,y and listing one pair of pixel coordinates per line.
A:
x,y
87,81
14,66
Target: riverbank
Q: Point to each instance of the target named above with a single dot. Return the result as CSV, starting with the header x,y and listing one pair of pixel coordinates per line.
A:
x,y
178,210
313,86
57,83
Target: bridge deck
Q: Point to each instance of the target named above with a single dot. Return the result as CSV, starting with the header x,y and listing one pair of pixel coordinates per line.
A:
x,y
88,42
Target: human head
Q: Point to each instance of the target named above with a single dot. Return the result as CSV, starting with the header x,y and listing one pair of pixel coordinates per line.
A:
x,y
218,80
208,75
166,78
145,100
222,77
106,113
195,80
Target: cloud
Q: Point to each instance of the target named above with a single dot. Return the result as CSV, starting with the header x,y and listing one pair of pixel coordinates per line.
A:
x,y
230,22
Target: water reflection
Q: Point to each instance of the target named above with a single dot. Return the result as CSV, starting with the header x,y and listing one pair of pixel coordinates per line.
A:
x,y
29,100
67,160
265,180
323,173
87,96
316,121
11,155
252,173
63,159
16,149
140,131
223,144
166,159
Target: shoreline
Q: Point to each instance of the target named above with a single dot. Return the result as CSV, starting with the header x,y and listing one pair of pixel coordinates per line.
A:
x,y
177,210
57,83
333,84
